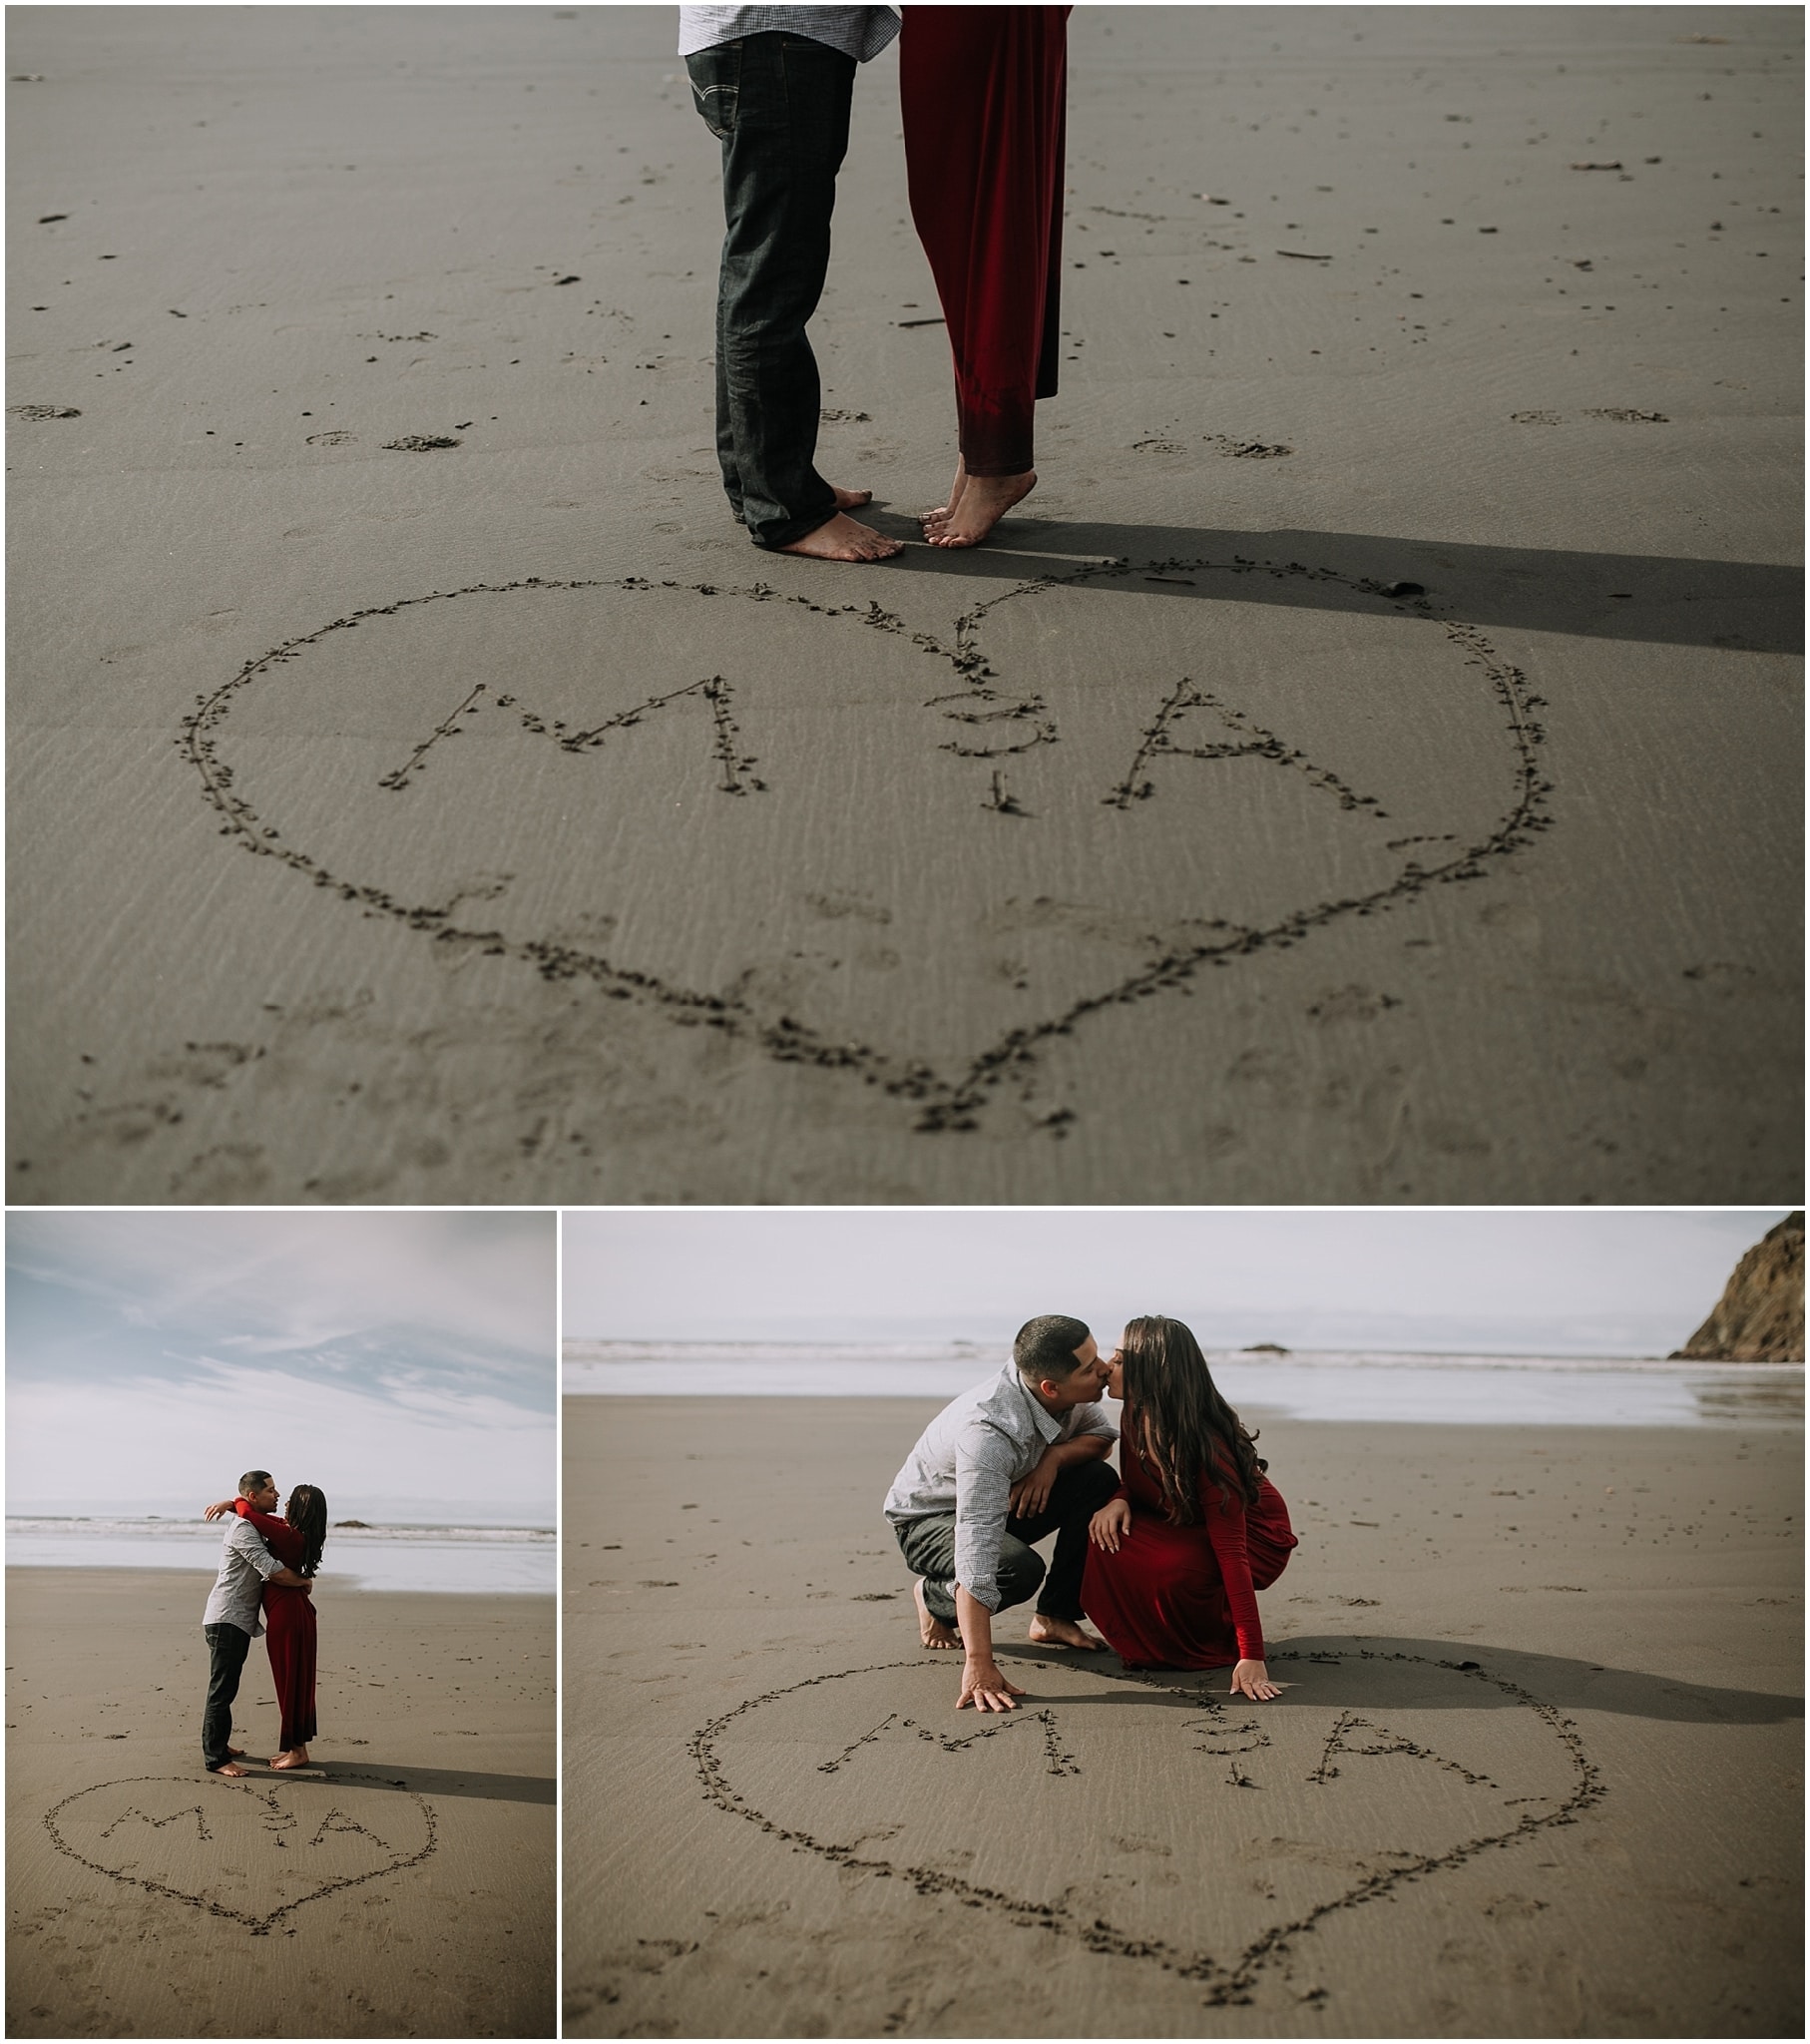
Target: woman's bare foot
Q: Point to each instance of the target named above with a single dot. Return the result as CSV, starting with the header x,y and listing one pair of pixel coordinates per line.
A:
x,y
227,1767
1061,1632
845,539
931,1630
983,501
956,488
296,1756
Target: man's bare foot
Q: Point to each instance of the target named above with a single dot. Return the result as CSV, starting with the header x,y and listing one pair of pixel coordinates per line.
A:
x,y
983,501
845,539
227,1767
236,1752
956,488
296,1756
851,500
931,1630
1060,1631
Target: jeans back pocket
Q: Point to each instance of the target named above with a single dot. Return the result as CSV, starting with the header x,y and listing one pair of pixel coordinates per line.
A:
x,y
715,87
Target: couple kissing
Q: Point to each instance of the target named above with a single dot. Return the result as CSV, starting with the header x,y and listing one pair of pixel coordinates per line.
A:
x,y
1166,1557
264,1587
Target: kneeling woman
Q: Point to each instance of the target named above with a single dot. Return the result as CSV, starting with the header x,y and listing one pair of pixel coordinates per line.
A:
x,y
1197,1528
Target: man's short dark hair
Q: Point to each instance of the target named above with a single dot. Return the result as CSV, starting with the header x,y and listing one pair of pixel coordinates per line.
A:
x,y
253,1480
1043,1349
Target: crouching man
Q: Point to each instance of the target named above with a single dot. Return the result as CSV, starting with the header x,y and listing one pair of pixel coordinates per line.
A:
x,y
1003,1466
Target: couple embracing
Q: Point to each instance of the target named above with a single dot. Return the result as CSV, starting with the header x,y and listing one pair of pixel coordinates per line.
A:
x,y
264,1586
1166,1558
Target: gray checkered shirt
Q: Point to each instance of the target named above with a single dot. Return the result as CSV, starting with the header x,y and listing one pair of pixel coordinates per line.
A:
x,y
238,1591
969,1457
858,32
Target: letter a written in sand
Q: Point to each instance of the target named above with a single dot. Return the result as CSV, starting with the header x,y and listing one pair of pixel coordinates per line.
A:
x,y
338,1821
1159,739
1383,1742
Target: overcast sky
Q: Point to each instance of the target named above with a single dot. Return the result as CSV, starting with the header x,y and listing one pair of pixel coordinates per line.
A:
x,y
1570,1282
154,1355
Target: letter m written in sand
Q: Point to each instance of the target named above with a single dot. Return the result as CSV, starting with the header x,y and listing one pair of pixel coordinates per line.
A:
x,y
158,1823
734,768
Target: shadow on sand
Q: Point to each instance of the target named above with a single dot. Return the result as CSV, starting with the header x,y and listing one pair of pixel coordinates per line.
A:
x,y
1740,606
1369,1672
427,1782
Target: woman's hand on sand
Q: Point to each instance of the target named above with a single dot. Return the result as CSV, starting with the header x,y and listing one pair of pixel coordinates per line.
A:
x,y
1251,1679
1110,1525
986,1687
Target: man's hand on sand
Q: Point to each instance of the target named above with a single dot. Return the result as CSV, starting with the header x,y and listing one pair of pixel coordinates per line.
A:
x,y
845,539
1110,1525
931,1629
1063,1631
986,1687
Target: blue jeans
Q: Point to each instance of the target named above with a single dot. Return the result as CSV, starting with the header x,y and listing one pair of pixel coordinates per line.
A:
x,y
779,106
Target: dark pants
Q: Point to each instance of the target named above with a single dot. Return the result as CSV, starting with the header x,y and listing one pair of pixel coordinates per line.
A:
x,y
227,1646
927,1545
779,105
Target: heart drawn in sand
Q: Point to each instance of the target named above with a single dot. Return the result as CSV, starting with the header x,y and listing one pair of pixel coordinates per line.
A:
x,y
916,856
1145,1816
245,1852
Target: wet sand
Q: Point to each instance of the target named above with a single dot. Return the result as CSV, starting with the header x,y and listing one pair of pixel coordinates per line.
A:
x,y
1537,1771
416,799
400,1886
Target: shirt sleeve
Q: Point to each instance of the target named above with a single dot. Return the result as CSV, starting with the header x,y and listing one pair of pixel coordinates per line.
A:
x,y
265,1522
245,1537
1225,1520
983,1498
879,27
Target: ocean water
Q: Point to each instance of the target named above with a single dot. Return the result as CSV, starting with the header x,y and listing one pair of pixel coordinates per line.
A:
x,y
1525,1390
488,1560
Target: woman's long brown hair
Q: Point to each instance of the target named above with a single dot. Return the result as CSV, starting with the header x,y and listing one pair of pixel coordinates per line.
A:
x,y
306,1511
1182,1428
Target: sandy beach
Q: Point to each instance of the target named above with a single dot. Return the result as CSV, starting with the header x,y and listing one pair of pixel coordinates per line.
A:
x,y
403,1885
1537,1771
421,791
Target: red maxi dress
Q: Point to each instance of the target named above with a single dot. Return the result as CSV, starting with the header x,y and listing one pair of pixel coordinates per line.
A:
x,y
1184,1595
289,1630
983,92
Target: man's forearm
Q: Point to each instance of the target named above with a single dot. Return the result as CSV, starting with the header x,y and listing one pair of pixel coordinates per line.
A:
x,y
1084,1447
976,1623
